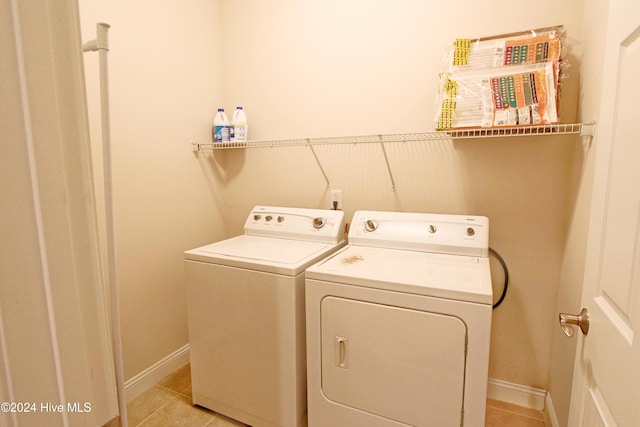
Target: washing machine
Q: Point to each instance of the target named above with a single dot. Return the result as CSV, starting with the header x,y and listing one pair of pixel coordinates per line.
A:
x,y
399,323
245,300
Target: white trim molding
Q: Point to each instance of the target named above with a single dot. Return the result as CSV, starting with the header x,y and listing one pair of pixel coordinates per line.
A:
x,y
517,394
526,396
146,379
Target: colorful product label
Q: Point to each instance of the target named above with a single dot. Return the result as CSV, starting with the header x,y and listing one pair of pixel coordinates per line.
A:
x,y
221,134
523,93
532,50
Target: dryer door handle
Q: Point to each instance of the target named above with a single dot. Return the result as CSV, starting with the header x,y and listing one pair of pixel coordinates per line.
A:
x,y
342,352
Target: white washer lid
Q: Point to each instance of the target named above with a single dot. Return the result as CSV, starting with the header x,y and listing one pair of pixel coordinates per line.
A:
x,y
281,256
456,277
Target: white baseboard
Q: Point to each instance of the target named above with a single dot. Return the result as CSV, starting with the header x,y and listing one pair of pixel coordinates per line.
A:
x,y
153,374
517,394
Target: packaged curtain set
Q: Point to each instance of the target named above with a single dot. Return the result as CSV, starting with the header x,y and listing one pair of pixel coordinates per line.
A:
x,y
506,80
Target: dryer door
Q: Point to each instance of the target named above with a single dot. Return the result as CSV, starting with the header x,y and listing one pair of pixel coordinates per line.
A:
x,y
402,364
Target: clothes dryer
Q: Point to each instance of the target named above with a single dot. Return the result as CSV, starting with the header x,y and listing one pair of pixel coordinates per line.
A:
x,y
245,298
399,322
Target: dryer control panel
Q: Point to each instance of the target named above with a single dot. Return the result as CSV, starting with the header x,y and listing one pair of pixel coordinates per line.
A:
x,y
316,225
437,233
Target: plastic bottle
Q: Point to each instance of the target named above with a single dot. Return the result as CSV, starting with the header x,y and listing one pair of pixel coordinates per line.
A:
x,y
239,124
221,127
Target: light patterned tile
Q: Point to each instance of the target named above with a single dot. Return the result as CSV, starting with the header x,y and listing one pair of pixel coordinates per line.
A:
x,y
510,407
179,412
187,391
221,421
148,402
113,423
500,418
178,380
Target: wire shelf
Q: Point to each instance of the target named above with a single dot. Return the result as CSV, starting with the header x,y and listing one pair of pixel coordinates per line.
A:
x,y
583,129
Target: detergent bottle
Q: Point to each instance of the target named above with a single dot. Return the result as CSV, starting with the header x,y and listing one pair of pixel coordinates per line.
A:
x,y
221,127
239,125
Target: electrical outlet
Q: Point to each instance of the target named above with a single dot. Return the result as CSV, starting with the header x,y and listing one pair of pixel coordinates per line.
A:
x,y
336,199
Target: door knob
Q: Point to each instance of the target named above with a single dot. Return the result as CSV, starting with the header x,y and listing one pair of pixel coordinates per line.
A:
x,y
568,321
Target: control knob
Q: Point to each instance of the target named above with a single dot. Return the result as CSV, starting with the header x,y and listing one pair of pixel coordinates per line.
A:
x,y
370,225
318,223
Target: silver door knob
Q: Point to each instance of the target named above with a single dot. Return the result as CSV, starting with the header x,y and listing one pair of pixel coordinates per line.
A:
x,y
568,321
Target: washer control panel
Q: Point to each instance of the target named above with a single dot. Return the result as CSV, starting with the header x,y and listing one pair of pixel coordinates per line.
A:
x,y
447,234
296,223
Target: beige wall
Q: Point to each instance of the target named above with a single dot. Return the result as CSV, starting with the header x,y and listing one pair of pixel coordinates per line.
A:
x,y
311,69
165,69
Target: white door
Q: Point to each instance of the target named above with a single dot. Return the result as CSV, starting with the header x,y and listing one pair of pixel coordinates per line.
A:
x,y
606,388
55,354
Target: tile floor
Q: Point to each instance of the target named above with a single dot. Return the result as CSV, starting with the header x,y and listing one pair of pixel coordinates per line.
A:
x,y
501,414
168,404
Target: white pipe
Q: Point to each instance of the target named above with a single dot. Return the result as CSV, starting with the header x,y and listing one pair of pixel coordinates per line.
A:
x,y
101,44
